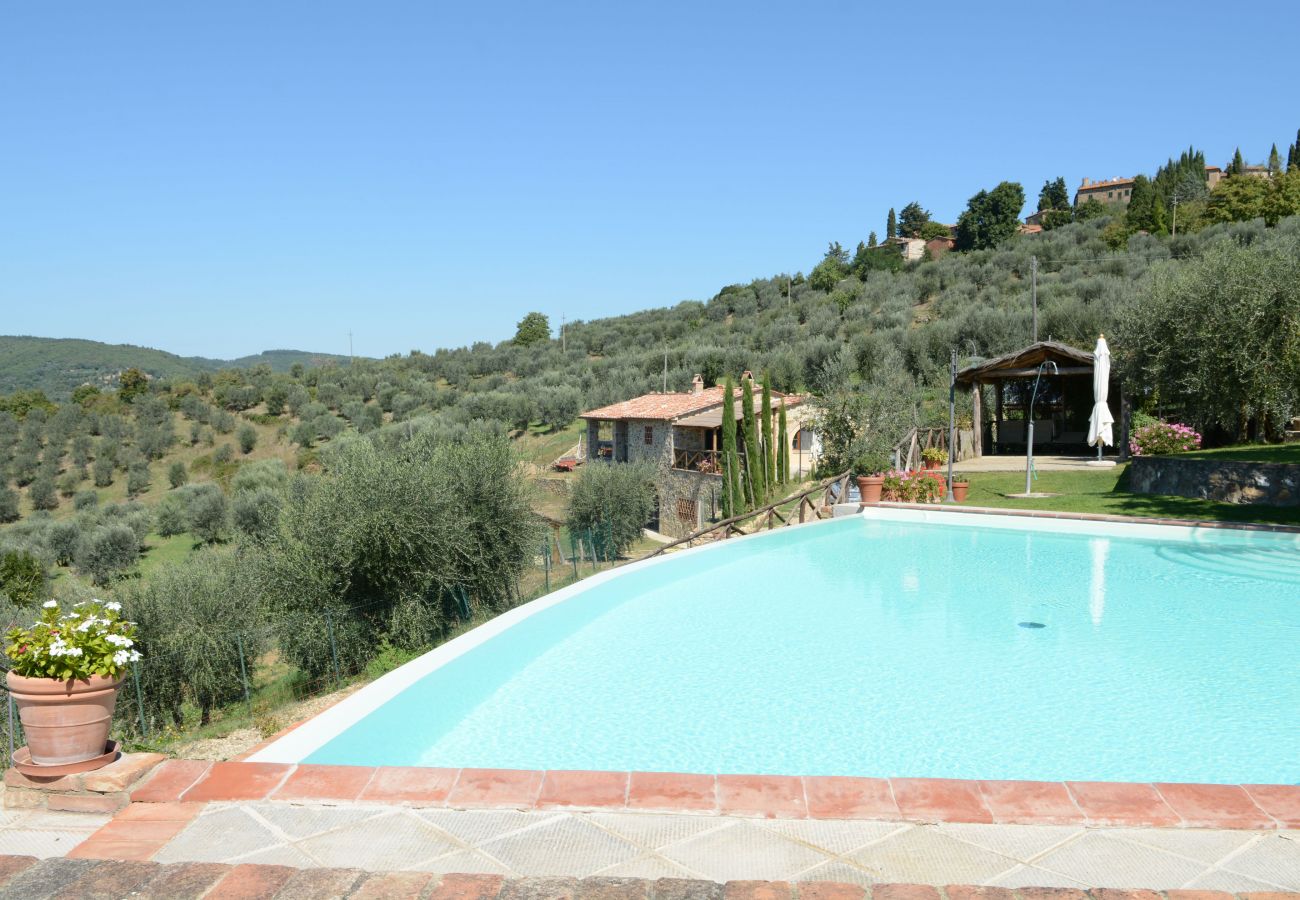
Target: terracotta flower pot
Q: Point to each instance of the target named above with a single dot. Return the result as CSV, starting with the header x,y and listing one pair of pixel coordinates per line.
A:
x,y
959,489
65,721
869,487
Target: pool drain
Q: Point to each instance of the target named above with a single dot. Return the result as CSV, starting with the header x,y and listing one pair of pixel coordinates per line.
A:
x,y
1032,625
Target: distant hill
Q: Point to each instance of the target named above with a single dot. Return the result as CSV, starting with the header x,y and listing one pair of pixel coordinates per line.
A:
x,y
57,365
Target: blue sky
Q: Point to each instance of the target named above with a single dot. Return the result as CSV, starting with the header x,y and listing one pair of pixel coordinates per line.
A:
x,y
222,178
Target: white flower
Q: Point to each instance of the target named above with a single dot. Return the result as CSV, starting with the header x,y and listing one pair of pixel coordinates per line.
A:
x,y
51,604
135,655
114,606
85,626
118,640
121,657
74,651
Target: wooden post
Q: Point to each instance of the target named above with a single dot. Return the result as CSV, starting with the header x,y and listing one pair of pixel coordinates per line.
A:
x,y
977,415
997,421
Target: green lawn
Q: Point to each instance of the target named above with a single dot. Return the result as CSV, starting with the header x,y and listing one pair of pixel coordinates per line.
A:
x,y
1272,453
1101,492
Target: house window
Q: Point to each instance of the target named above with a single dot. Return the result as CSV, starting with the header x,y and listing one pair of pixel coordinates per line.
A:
x,y
688,511
649,434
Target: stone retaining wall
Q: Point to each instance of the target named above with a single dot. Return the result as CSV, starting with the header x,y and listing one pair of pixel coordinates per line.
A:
x,y
1267,484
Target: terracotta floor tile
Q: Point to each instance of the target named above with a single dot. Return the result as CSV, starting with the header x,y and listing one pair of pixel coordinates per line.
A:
x,y
239,781
1214,806
170,780
312,782
756,890
835,797
589,789
392,886
250,882
466,887
1119,803
159,812
1281,801
1030,802
140,830
496,787
410,784
672,791
134,851
771,796
831,890
940,800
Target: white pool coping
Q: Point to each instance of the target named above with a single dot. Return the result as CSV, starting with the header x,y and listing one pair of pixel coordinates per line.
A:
x,y
316,732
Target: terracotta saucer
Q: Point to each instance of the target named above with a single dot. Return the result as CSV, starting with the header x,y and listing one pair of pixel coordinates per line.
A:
x,y
23,763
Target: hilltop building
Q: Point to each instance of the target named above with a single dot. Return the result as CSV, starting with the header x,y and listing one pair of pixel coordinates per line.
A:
x,y
681,433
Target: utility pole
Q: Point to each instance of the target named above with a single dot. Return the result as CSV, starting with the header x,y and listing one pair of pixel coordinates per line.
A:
x,y
563,344
665,370
1174,233
789,285
1033,292
952,420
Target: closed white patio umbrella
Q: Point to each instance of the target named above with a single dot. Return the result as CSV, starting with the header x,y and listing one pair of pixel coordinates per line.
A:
x,y
1100,430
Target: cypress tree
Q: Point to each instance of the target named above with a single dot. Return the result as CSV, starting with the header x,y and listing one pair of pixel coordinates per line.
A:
x,y
891,224
871,240
783,445
1274,161
753,480
1238,165
769,445
731,498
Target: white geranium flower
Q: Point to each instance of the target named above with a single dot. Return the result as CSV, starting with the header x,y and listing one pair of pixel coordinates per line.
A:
x,y
51,604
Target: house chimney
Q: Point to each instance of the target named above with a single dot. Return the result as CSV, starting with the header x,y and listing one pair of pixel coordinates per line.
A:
x,y
697,384
1085,182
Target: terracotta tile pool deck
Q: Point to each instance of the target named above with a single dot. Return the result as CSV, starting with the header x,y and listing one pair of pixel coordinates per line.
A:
x,y
1084,803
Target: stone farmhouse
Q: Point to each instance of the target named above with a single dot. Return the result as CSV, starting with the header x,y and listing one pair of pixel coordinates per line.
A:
x,y
681,433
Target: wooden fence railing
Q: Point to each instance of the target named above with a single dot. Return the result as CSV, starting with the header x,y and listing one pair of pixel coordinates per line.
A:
x,y
831,490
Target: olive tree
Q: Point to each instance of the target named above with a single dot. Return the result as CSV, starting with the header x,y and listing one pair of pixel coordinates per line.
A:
x,y
105,551
609,505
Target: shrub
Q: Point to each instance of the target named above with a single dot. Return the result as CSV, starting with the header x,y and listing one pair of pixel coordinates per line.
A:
x,y
223,454
870,464
8,504
247,437
256,512
62,539
22,577
170,516
187,618
85,500
102,471
137,480
268,474
67,483
208,514
612,504
89,639
106,551
177,474
909,487
1160,438
42,493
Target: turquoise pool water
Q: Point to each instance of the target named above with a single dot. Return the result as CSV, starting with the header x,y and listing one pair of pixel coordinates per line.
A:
x,y
861,647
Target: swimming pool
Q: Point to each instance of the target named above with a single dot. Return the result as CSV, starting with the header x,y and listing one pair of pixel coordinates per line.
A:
x,y
895,643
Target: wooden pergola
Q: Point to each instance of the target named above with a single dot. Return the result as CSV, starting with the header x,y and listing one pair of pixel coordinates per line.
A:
x,y
1072,377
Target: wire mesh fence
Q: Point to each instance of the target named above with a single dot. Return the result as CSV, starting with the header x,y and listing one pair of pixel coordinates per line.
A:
x,y
246,682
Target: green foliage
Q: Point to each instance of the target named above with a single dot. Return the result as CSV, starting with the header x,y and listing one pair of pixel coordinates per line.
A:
x,y
612,504
84,501
912,219
754,482
255,513
102,471
931,230
247,437
385,541
92,638
137,480
223,454
533,328
195,621
177,474
870,464
207,512
991,217
1054,196
23,577
106,551
20,403
131,384
891,225
783,447
1219,336
769,442
558,406
733,495
43,494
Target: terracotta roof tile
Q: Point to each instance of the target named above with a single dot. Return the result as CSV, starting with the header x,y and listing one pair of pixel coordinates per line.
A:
x,y
664,406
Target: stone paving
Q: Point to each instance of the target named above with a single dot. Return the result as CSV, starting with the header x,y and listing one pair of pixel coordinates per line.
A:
x,y
378,837
27,878
43,833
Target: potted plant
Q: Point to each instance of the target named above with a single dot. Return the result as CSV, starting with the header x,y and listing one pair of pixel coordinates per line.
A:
x,y
869,470
933,457
960,485
66,669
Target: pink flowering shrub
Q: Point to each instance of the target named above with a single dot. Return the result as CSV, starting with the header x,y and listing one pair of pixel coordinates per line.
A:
x,y
1160,438
909,487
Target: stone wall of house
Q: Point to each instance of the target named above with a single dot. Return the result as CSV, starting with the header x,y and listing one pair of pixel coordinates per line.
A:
x,y
687,500
1268,484
660,448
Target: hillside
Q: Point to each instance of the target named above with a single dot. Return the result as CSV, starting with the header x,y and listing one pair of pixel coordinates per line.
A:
x,y
58,365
